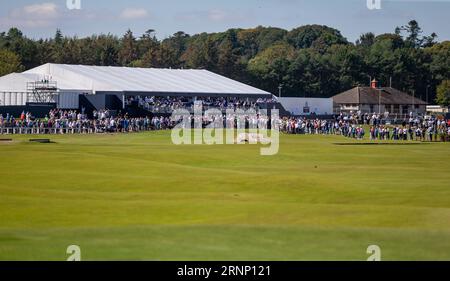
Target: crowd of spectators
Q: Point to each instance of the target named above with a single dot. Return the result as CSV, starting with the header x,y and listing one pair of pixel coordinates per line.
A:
x,y
169,104
376,127
417,129
431,129
342,127
70,121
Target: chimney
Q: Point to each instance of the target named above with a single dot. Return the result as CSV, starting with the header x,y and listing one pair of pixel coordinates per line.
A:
x,y
374,84
359,94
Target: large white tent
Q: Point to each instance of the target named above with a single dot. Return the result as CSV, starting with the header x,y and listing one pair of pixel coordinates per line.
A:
x,y
95,80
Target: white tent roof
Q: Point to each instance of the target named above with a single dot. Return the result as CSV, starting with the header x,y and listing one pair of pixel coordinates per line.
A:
x,y
16,82
126,79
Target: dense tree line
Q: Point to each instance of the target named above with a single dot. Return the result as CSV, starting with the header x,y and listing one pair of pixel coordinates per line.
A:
x,y
312,60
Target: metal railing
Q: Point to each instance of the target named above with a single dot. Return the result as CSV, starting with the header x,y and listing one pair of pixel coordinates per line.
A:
x,y
63,131
190,109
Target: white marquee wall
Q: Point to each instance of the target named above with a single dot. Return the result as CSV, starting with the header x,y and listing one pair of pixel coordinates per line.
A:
x,y
12,98
297,106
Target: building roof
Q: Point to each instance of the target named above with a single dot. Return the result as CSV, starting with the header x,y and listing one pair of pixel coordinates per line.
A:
x,y
15,82
129,80
368,95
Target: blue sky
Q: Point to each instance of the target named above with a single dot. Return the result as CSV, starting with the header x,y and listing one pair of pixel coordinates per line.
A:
x,y
40,18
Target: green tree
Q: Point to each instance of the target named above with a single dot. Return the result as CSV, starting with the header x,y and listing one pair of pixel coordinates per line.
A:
x,y
177,42
147,41
313,74
9,62
443,93
106,47
440,65
317,36
25,48
348,67
366,40
58,37
151,57
167,56
414,38
128,49
310,60
201,52
248,40
271,67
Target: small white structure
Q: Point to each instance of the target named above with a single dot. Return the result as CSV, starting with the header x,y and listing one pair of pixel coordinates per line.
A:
x,y
252,138
308,106
437,109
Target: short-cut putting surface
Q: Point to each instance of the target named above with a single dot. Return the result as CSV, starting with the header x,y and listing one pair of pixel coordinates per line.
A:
x,y
139,197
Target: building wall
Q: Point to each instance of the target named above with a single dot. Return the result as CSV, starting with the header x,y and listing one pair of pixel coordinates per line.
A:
x,y
345,108
383,108
97,100
308,106
68,100
437,109
12,99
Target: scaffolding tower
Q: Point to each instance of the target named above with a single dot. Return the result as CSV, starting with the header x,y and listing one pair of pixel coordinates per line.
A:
x,y
44,91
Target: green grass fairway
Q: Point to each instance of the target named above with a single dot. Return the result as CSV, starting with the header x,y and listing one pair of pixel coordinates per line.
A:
x,y
138,197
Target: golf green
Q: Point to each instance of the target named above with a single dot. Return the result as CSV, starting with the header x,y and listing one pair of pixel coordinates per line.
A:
x,y
139,197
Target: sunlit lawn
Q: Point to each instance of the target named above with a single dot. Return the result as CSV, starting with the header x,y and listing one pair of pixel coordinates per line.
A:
x,y
139,197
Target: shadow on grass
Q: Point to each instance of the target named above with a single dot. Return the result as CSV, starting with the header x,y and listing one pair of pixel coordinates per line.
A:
x,y
41,141
381,143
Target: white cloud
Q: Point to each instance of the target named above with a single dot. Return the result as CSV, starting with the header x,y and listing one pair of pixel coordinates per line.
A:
x,y
212,15
217,15
133,14
34,16
49,15
41,10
